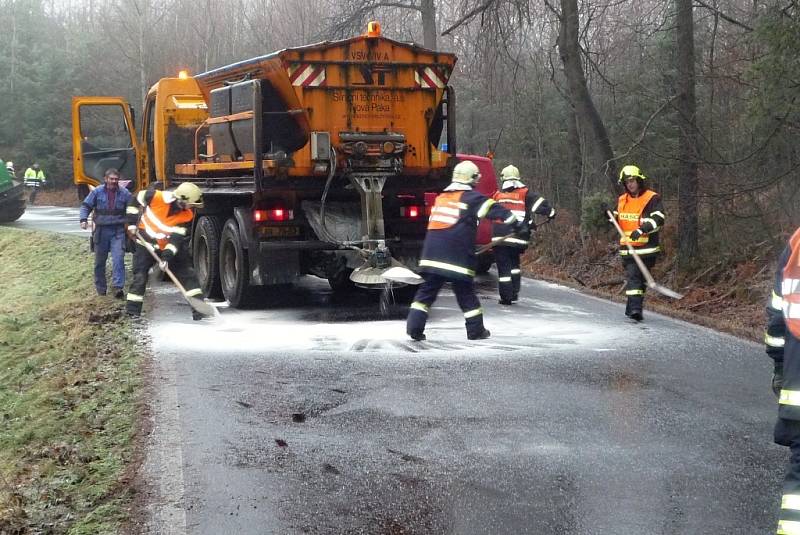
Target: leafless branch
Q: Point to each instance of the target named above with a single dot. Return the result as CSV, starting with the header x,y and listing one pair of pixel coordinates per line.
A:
x,y
469,16
723,16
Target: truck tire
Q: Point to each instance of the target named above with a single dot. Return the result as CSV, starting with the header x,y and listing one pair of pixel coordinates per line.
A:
x,y
205,251
11,214
234,268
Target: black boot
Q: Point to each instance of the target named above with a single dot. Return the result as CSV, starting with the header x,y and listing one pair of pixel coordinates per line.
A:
x,y
479,335
417,336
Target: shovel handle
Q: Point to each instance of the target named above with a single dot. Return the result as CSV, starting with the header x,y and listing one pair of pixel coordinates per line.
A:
x,y
158,260
646,272
651,282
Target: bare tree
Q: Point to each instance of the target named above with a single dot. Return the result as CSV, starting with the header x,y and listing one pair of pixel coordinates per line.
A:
x,y
588,118
353,13
686,105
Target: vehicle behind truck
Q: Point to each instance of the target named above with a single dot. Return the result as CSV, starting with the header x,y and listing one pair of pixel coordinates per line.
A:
x,y
320,159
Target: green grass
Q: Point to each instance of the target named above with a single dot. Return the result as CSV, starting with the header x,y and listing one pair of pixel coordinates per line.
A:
x,y
69,376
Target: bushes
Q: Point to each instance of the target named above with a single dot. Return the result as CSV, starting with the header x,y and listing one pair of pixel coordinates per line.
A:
x,y
593,221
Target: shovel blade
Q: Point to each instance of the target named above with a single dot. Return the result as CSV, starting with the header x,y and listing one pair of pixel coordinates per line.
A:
x,y
663,290
202,307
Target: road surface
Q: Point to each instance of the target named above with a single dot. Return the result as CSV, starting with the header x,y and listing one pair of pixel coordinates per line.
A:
x,y
311,414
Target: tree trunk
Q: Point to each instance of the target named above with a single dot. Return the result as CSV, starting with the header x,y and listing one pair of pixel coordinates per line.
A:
x,y
428,11
687,121
588,118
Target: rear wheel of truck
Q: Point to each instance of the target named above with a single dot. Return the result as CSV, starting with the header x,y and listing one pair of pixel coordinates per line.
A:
x,y
234,269
206,255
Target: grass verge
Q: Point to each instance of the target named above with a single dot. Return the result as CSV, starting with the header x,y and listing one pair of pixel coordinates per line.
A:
x,y
69,375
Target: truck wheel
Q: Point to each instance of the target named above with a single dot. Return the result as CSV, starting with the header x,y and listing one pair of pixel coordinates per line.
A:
x,y
234,269
206,255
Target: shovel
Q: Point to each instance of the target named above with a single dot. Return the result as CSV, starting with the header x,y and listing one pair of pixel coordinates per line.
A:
x,y
647,276
483,248
197,304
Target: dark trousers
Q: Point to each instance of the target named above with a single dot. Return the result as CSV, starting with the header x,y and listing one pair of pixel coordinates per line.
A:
x,y
109,239
181,267
508,272
426,295
787,433
635,285
32,196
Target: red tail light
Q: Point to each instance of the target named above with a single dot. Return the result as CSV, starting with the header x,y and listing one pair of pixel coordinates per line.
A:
x,y
273,214
411,212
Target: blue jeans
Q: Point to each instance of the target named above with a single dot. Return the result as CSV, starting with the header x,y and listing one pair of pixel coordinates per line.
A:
x,y
109,238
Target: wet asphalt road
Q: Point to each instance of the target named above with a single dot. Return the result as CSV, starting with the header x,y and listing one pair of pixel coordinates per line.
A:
x,y
315,415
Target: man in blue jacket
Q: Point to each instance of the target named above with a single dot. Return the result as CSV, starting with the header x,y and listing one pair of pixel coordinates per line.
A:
x,y
108,202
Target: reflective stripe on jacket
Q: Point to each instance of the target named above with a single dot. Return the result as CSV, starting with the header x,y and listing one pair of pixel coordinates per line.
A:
x,y
524,204
449,247
161,220
33,177
643,212
783,327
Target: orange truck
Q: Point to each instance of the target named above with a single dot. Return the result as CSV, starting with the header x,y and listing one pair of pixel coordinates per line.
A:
x,y
320,159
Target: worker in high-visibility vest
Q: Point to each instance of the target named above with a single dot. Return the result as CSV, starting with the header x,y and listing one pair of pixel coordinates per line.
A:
x,y
523,203
34,178
783,346
640,214
164,220
448,253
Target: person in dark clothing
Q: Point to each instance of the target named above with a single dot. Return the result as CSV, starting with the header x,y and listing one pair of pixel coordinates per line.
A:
x,y
448,253
640,214
523,203
782,339
164,219
107,202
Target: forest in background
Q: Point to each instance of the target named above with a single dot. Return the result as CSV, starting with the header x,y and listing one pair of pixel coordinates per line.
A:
x,y
702,95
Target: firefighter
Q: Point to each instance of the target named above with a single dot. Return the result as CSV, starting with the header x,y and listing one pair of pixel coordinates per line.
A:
x,y
783,345
448,253
164,219
640,215
523,203
34,178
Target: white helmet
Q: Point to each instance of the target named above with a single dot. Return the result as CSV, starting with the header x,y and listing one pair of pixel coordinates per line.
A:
x,y
510,172
189,193
9,165
466,173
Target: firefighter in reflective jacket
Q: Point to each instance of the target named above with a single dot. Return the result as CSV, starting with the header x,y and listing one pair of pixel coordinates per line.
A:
x,y
783,345
448,254
164,219
523,203
640,215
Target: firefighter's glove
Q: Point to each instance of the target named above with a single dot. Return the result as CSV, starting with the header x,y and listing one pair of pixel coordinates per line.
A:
x,y
522,230
636,234
604,209
777,378
166,257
